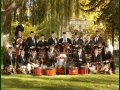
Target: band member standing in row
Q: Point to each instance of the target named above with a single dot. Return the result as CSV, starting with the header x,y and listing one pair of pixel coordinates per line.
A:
x,y
9,63
88,45
42,45
53,40
98,39
79,58
65,39
31,41
51,56
77,42
42,42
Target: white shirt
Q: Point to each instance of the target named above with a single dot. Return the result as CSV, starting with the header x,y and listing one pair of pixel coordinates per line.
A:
x,y
110,48
79,54
64,39
63,55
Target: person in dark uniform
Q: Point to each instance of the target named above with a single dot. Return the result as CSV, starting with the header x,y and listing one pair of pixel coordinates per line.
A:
x,y
108,58
77,42
95,61
53,40
18,40
31,43
42,44
88,45
21,59
98,39
65,39
51,56
9,61
64,43
32,61
96,56
79,58
21,62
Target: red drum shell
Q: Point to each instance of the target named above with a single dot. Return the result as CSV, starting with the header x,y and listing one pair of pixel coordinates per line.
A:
x,y
73,70
38,71
83,70
50,71
60,70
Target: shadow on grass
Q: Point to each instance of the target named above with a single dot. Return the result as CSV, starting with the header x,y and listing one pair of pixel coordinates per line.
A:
x,y
39,85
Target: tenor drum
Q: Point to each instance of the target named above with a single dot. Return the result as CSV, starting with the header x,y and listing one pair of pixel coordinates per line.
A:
x,y
83,70
50,71
73,70
38,71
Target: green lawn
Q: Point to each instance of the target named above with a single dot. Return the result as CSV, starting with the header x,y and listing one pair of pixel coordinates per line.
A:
x,y
60,82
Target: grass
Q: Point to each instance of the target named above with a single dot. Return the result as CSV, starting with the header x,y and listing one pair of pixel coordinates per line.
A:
x,y
60,82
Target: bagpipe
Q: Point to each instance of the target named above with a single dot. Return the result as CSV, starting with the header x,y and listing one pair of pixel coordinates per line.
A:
x,y
41,54
66,48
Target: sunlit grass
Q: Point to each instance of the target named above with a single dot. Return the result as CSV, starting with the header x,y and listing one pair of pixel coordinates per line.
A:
x,y
60,82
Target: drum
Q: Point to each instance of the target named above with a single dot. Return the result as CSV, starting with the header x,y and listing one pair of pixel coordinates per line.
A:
x,y
73,70
38,71
50,71
83,70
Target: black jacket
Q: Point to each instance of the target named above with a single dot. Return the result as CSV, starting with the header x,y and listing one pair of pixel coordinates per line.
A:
x,y
88,47
41,43
32,60
96,58
79,42
68,40
76,57
30,42
100,40
7,60
51,41
21,61
107,56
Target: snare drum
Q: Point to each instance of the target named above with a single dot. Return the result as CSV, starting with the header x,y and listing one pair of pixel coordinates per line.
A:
x,y
38,71
50,71
83,70
73,70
